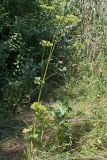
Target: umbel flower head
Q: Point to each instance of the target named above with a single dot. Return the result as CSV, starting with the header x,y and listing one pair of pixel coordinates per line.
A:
x,y
69,19
45,7
37,106
45,43
60,18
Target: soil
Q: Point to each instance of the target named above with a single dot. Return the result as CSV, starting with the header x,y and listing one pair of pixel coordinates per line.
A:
x,y
12,149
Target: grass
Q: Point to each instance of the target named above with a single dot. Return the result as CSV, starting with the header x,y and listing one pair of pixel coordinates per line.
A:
x,y
79,129
84,126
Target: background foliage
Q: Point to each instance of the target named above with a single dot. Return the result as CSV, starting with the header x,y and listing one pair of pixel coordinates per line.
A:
x,y
23,26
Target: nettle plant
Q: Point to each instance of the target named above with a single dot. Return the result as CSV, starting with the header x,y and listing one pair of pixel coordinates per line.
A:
x,y
44,115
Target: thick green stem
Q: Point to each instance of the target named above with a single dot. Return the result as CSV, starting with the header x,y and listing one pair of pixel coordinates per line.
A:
x,y
46,69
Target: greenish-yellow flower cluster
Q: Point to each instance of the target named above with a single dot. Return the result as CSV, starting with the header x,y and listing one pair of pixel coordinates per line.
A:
x,y
69,19
45,7
45,43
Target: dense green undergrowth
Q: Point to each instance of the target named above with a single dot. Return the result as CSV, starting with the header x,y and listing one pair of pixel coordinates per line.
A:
x,y
77,128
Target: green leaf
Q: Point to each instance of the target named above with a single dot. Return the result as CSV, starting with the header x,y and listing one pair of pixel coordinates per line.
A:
x,y
35,136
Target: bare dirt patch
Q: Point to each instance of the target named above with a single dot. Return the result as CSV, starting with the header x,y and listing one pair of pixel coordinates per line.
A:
x,y
12,149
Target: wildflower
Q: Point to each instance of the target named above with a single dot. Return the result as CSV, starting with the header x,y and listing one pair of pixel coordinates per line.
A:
x,y
69,19
60,18
46,43
47,7
38,107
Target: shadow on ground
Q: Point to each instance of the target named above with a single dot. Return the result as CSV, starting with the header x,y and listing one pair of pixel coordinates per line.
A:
x,y
11,138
